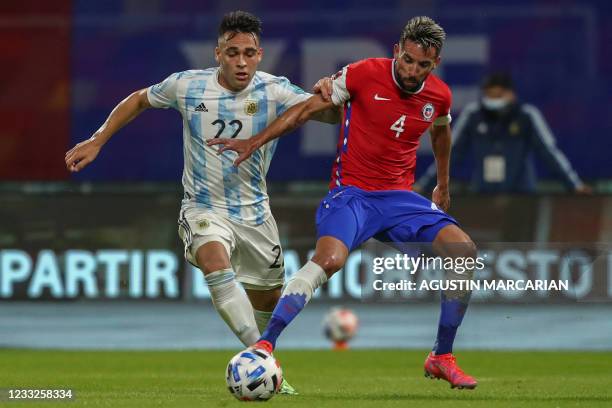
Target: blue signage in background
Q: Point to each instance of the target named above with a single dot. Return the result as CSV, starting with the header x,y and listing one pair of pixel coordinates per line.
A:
x,y
156,274
557,57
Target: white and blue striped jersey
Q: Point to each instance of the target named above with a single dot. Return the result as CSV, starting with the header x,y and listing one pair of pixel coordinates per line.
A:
x,y
210,180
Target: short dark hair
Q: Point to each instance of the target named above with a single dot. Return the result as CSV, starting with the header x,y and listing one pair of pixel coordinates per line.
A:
x,y
425,32
240,22
501,79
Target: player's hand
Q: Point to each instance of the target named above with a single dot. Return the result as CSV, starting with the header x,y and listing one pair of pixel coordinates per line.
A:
x,y
244,148
82,154
441,197
323,87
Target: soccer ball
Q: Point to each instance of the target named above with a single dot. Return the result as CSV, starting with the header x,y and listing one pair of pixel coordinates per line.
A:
x,y
340,325
253,375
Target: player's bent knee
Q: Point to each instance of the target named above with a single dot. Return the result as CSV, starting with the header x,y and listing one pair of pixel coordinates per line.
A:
x,y
330,262
330,254
453,242
472,249
213,265
463,250
212,257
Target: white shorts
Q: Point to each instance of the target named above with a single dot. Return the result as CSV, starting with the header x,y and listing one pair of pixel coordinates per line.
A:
x,y
254,251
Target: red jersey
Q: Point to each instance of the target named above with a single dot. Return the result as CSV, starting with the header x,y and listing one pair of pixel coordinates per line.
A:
x,y
382,125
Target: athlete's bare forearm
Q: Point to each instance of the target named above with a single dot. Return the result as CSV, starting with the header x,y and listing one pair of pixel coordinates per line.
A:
x,y
441,145
313,108
332,115
121,115
85,152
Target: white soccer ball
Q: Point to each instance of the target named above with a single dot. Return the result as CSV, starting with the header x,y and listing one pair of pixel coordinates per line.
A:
x,y
340,325
253,375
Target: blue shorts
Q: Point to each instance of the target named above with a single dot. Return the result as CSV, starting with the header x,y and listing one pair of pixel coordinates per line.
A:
x,y
353,216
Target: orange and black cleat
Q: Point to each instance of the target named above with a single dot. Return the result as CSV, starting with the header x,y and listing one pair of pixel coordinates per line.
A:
x,y
445,366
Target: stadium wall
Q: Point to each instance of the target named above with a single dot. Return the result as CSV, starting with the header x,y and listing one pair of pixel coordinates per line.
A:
x,y
104,242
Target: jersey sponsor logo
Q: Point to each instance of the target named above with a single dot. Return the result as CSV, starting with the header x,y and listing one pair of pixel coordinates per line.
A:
x,y
250,107
380,98
428,111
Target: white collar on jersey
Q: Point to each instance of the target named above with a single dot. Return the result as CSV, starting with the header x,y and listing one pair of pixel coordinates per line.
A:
x,y
398,85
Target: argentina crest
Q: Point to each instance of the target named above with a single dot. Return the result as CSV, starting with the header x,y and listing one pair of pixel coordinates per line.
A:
x,y
251,107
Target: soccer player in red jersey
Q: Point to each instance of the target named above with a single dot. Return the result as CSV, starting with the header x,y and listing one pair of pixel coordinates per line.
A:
x,y
388,104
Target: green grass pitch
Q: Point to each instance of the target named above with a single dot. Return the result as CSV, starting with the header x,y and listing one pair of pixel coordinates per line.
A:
x,y
354,378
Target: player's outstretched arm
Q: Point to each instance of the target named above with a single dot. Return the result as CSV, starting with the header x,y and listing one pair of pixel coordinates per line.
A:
x,y
441,145
293,118
85,152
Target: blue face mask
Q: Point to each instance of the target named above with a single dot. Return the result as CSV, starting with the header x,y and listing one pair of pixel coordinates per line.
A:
x,y
494,104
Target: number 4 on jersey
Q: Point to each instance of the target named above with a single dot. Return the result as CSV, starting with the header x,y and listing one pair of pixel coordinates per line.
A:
x,y
398,126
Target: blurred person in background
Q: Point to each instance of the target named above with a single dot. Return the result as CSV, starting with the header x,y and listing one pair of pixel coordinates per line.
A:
x,y
500,134
225,220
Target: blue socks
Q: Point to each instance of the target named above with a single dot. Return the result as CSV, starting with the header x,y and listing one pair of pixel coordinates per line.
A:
x,y
451,315
288,307
296,294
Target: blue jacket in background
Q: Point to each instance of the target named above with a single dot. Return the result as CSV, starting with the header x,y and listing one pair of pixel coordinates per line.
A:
x,y
511,138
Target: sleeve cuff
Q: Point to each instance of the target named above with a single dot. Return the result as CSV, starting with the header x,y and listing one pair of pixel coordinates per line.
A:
x,y
443,120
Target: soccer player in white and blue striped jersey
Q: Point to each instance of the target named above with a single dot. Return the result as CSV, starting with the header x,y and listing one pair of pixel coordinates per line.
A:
x,y
225,220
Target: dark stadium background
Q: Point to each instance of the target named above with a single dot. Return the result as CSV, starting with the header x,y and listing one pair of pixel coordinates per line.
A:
x,y
67,63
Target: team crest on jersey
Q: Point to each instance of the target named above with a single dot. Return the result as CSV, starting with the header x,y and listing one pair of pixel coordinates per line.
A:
x,y
428,111
250,107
